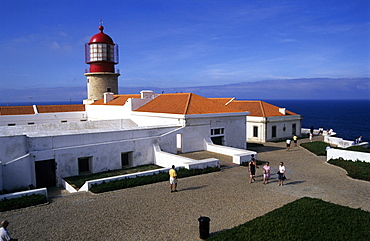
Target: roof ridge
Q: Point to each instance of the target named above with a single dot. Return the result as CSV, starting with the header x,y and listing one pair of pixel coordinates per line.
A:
x,y
188,103
231,100
262,108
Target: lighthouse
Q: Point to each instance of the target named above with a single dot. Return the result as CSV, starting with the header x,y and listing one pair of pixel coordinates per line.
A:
x,y
101,54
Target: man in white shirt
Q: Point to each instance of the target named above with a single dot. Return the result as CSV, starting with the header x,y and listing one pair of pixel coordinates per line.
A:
x,y
4,234
288,141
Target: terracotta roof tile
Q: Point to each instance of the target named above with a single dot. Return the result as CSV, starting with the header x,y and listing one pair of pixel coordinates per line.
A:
x,y
28,110
16,110
185,104
258,108
117,100
60,108
222,100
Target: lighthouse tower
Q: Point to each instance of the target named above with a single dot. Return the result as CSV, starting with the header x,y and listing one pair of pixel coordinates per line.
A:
x,y
101,54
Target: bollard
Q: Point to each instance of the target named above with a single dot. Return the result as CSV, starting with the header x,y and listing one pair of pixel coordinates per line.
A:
x,y
204,227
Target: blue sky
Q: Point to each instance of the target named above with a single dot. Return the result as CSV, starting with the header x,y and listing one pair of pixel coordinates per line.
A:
x,y
185,43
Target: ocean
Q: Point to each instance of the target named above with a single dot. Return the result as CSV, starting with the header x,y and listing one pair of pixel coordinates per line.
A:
x,y
348,118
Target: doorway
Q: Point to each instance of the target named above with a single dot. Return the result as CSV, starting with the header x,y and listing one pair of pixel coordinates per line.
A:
x,y
218,140
45,173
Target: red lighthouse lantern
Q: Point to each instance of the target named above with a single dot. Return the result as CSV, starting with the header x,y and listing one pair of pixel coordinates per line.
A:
x,y
101,53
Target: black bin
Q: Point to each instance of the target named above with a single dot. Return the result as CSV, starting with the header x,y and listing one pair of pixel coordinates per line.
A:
x,y
204,227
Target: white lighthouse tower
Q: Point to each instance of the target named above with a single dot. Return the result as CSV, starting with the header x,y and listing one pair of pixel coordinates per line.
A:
x,y
101,54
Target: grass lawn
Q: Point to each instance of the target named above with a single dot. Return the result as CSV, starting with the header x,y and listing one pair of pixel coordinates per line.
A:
x,y
78,181
316,147
303,219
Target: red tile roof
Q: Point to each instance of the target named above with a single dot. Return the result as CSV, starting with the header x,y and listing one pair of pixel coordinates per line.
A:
x,y
16,110
28,110
117,100
185,104
222,100
60,108
258,108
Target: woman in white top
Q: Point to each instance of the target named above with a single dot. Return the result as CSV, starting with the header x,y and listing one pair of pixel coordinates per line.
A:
x,y
281,174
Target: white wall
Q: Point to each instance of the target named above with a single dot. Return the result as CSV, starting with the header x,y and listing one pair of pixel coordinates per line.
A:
x,y
42,118
104,148
347,155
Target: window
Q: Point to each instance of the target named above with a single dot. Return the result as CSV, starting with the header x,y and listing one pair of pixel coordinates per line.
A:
x,y
273,134
218,131
126,159
31,123
109,89
84,165
63,121
255,131
294,127
11,124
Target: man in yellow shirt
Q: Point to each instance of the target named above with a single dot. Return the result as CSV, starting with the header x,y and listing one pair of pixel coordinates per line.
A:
x,y
173,178
295,138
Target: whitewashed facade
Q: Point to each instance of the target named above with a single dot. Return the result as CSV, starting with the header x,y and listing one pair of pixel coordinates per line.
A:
x,y
109,137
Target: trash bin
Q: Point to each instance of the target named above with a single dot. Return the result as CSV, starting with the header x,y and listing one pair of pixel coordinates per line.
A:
x,y
204,227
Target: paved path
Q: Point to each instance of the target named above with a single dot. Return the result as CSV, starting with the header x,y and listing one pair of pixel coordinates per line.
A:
x,y
151,212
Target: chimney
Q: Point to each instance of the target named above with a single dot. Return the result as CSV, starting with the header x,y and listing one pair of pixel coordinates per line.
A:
x,y
108,96
282,111
146,94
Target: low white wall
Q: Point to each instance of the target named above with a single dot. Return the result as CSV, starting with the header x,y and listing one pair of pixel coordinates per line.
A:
x,y
86,187
42,191
68,187
239,156
339,142
166,159
347,155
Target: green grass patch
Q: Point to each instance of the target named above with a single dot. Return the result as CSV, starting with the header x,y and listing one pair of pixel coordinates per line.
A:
x,y
303,219
143,180
316,147
78,181
22,202
355,169
357,148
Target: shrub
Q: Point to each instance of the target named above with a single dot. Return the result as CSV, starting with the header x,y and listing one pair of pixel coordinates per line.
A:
x,y
78,181
358,148
22,202
304,219
143,180
355,169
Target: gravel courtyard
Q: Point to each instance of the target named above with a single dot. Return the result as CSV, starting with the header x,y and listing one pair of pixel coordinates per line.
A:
x,y
151,212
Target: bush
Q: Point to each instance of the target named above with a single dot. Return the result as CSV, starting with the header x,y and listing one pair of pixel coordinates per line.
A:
x,y
304,219
22,202
316,147
358,148
355,169
143,180
78,181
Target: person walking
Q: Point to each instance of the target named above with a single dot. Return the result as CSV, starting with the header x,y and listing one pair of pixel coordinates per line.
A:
x,y
281,174
4,234
295,138
252,165
173,179
266,173
288,141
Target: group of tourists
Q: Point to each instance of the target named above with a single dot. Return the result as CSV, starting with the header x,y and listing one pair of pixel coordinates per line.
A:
x,y
252,165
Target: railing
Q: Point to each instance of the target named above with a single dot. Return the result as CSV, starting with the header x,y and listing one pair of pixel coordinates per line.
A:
x,y
116,71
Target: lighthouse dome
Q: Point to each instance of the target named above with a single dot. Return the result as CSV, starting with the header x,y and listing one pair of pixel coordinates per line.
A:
x,y
101,37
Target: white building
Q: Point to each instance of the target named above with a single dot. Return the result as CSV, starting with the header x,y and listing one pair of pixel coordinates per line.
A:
x,y
42,147
266,122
